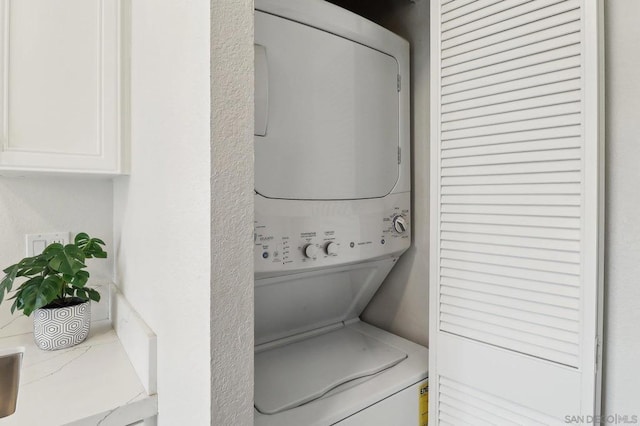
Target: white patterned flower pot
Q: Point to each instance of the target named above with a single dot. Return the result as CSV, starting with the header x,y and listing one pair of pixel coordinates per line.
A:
x,y
60,328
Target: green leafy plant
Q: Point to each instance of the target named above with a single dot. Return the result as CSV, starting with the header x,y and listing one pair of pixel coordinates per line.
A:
x,y
55,278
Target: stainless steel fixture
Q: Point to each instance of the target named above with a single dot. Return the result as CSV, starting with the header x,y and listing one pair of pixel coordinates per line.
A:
x,y
10,363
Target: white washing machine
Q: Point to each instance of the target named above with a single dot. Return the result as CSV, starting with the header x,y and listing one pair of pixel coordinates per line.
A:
x,y
332,216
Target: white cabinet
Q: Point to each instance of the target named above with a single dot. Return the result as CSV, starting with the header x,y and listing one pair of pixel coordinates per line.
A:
x,y
61,91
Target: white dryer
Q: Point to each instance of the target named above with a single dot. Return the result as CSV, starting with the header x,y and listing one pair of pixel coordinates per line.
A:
x,y
332,216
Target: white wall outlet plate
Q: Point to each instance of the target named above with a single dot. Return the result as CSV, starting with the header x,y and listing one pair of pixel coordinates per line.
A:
x,y
36,243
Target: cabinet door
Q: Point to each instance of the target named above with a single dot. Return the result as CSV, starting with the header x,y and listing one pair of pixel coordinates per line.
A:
x,y
516,169
60,85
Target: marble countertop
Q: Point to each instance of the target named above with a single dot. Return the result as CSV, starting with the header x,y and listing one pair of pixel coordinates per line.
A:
x,y
92,383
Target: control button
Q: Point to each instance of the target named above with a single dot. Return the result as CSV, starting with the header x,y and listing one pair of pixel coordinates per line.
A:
x,y
310,251
332,249
382,241
400,224
352,244
265,255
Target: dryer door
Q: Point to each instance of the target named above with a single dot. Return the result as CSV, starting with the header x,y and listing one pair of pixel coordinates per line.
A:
x,y
326,114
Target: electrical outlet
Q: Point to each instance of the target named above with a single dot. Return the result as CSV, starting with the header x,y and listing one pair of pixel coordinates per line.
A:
x,y
36,243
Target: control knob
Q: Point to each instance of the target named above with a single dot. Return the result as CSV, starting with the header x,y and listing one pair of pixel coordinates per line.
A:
x,y
310,251
400,224
332,249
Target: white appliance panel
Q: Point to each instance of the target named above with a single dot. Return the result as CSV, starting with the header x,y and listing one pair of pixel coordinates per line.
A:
x,y
293,304
329,114
291,375
397,409
370,394
338,232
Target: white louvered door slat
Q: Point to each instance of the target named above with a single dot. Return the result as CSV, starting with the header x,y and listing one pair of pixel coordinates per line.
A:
x,y
511,70
451,276
522,136
522,252
557,65
551,19
450,5
531,44
516,194
559,177
522,146
490,24
509,241
517,105
503,29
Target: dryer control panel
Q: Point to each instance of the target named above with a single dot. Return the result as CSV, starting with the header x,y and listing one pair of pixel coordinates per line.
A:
x,y
292,236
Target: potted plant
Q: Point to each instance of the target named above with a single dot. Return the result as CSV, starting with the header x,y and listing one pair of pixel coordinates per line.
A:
x,y
55,291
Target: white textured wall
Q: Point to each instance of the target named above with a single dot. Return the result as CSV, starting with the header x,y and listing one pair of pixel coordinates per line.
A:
x,y
232,212
52,204
401,304
162,211
622,266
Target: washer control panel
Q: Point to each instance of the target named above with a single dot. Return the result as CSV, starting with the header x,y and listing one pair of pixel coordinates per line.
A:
x,y
294,238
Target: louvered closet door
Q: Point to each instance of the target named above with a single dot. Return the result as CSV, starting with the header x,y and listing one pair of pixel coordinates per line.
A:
x,y
516,211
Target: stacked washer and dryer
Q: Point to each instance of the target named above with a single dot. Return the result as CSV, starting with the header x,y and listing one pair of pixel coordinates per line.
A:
x,y
332,217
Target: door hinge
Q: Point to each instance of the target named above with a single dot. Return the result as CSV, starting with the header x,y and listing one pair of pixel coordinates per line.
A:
x,y
399,155
399,82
